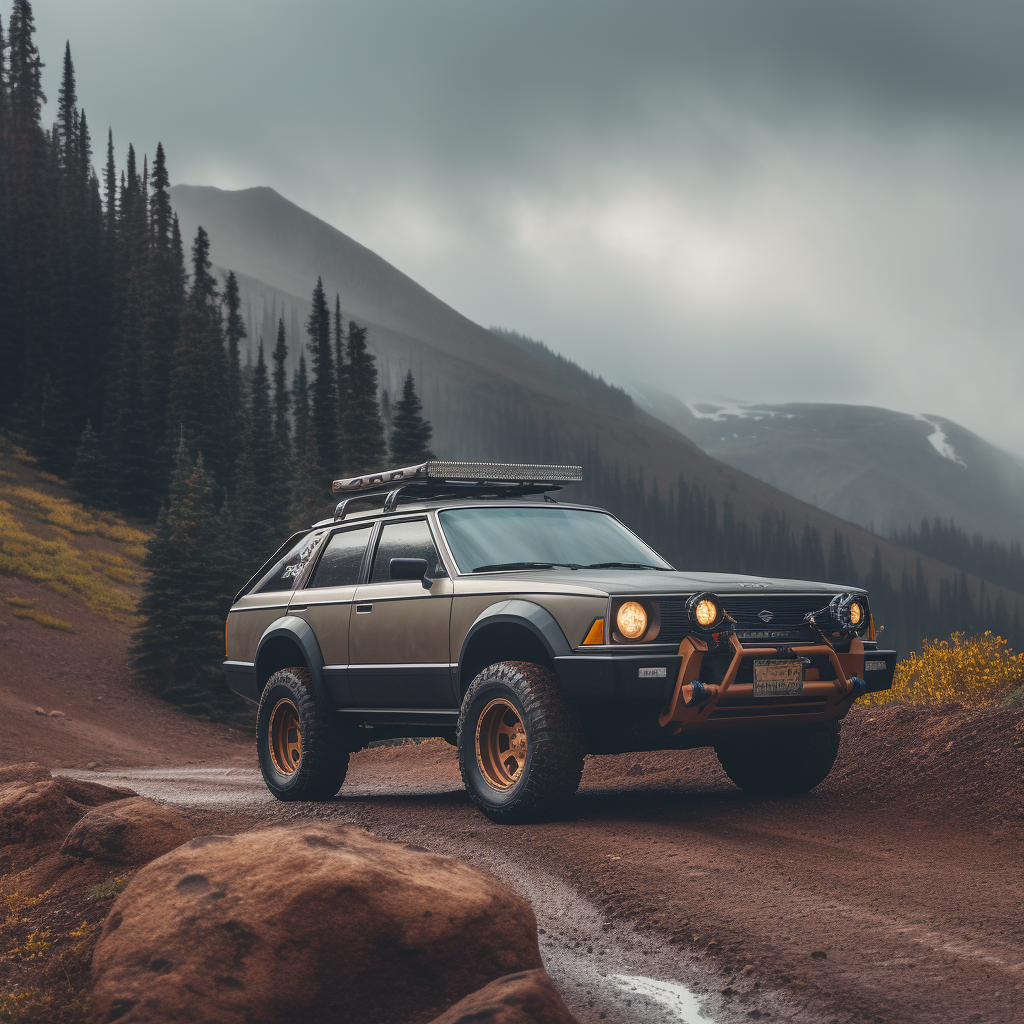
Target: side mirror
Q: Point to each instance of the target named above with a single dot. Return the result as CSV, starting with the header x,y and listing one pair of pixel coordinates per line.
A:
x,y
410,569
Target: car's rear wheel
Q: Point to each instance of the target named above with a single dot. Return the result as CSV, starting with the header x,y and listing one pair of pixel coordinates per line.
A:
x,y
520,746
303,748
779,762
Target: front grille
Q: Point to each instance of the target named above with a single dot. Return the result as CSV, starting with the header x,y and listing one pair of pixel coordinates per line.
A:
x,y
788,611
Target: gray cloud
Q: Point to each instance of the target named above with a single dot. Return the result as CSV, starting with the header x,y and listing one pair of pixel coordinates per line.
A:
x,y
765,200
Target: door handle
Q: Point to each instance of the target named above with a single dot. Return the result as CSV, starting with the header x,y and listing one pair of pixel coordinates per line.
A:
x,y
361,609
297,608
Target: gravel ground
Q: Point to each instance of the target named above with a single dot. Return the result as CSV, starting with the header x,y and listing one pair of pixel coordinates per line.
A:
x,y
892,893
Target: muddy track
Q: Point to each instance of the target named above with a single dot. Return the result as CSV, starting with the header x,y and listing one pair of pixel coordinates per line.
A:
x,y
671,896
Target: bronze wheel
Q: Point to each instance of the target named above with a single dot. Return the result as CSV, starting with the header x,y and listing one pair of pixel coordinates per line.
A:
x,y
520,745
501,743
285,737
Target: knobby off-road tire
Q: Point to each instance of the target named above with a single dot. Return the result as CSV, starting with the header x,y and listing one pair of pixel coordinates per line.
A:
x,y
323,744
517,697
780,762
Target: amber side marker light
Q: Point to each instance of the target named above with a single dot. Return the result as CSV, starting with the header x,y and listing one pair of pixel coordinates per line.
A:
x,y
596,633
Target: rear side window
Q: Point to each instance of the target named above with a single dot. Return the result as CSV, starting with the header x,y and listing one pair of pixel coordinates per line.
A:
x,y
405,540
289,569
340,562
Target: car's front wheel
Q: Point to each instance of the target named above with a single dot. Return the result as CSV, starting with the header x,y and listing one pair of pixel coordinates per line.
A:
x,y
520,745
302,747
780,762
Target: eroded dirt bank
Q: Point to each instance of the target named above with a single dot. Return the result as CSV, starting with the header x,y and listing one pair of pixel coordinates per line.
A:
x,y
892,893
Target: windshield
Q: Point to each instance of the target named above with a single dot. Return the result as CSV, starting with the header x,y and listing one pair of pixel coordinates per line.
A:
x,y
484,539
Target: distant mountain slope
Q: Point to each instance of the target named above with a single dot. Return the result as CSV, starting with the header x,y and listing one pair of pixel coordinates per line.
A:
x,y
486,397
871,466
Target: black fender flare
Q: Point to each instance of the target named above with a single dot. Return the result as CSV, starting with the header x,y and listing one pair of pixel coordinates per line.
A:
x,y
537,619
301,634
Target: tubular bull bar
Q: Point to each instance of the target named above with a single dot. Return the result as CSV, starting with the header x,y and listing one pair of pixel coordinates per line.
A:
x,y
848,682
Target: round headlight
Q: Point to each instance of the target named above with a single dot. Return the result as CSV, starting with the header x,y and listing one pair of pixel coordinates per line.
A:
x,y
631,620
856,614
706,613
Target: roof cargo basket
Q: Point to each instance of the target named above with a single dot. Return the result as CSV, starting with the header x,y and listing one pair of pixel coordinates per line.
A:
x,y
477,479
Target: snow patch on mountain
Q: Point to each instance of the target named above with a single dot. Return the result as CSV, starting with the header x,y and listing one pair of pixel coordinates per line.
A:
x,y
939,441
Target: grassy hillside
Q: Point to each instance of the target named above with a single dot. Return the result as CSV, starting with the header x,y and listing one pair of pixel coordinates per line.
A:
x,y
49,538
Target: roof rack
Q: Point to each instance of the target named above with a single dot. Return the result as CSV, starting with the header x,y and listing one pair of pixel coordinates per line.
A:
x,y
434,478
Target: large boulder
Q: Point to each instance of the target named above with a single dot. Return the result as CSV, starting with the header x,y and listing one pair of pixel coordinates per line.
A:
x,y
529,997
309,923
35,807
35,812
133,831
28,771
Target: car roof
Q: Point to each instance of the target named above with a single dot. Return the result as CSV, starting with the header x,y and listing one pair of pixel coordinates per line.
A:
x,y
437,504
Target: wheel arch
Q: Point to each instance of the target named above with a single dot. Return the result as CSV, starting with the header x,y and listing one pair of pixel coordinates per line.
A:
x,y
290,642
515,630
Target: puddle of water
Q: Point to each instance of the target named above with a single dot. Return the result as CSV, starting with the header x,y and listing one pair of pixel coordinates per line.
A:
x,y
677,999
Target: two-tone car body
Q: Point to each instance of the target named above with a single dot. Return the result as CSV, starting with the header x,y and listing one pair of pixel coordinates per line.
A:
x,y
393,620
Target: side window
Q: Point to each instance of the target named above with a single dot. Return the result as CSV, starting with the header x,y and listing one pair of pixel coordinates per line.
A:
x,y
405,540
289,569
339,564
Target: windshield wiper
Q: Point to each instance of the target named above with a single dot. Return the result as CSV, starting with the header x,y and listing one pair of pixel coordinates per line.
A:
x,y
624,565
526,565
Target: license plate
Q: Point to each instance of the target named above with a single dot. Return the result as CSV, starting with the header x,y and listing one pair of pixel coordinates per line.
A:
x,y
777,678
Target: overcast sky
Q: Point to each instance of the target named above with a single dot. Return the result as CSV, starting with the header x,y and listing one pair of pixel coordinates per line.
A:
x,y
762,201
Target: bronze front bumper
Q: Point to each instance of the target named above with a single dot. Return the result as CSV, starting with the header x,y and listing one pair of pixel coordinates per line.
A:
x,y
733,704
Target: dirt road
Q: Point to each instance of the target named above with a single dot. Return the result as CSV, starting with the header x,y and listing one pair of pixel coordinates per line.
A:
x,y
892,893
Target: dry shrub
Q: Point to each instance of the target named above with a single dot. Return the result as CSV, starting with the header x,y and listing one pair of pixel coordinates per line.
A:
x,y
967,669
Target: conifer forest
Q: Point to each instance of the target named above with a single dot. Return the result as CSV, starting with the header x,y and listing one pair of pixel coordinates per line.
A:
x,y
121,372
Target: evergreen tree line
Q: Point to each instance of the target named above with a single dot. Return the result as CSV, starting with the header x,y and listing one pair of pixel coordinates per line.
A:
x,y
120,368
993,560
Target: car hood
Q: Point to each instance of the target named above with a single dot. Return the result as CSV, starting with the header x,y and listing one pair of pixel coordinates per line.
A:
x,y
651,581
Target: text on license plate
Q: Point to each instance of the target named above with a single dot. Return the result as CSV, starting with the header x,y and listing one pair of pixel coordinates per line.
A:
x,y
773,677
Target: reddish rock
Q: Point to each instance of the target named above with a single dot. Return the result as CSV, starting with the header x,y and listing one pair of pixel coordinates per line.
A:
x,y
35,812
529,997
36,808
310,923
93,794
133,831
30,771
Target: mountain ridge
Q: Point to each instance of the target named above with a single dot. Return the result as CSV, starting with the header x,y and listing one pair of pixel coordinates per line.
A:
x,y
467,375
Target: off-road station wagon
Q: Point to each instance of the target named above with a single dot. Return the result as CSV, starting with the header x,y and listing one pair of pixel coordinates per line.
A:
x,y
460,600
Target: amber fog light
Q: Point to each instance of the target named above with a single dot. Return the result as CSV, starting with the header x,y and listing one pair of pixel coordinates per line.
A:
x,y
856,614
631,620
706,613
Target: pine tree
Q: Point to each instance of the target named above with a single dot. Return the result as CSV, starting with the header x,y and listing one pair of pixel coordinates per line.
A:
x,y
410,432
310,492
90,475
323,421
129,455
198,370
180,642
364,432
234,332
282,401
300,403
262,506
25,345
